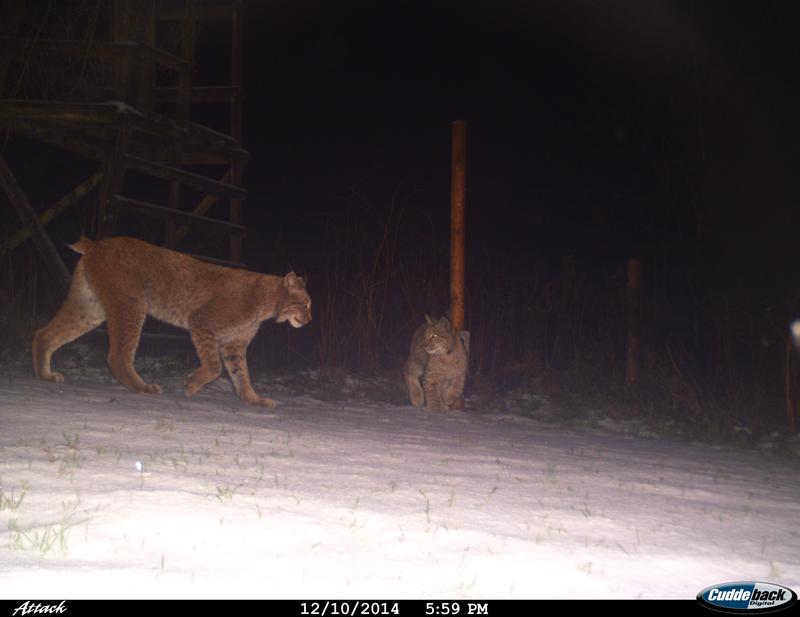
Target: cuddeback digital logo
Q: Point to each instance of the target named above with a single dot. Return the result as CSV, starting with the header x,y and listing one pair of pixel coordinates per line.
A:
x,y
747,597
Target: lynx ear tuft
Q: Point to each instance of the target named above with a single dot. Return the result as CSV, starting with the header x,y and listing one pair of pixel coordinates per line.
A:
x,y
429,320
291,281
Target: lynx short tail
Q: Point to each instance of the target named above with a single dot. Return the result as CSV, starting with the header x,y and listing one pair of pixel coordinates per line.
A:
x,y
82,245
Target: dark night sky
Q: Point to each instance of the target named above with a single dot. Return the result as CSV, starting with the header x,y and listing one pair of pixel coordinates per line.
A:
x,y
596,128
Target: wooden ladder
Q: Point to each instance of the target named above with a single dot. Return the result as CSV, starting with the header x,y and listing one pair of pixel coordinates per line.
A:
x,y
175,172
139,127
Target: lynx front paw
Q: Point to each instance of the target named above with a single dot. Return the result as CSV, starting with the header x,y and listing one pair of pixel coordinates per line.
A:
x,y
434,402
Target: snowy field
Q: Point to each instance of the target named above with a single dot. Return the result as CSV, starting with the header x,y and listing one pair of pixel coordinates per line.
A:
x,y
106,493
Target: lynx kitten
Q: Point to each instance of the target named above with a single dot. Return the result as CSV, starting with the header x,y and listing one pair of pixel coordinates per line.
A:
x,y
438,357
122,280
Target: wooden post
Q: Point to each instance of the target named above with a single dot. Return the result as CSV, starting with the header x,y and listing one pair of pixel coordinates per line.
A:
x,y
187,53
174,203
27,215
113,179
634,314
457,202
120,31
237,46
182,113
457,231
146,32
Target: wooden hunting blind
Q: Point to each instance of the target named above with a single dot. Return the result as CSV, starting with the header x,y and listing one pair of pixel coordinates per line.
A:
x,y
116,82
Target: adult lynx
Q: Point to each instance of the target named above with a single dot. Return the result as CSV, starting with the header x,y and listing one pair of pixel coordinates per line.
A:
x,y
122,280
439,359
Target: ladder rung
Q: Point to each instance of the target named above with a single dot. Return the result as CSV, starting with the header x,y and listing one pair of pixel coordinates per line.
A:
x,y
202,183
187,218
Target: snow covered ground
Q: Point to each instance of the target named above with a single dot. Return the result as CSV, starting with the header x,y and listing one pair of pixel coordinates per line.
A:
x,y
110,494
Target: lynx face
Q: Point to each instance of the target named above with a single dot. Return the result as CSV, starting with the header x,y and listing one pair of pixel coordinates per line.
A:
x,y
438,338
296,307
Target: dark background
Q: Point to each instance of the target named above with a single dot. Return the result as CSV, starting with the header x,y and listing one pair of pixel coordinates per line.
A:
x,y
597,132
602,129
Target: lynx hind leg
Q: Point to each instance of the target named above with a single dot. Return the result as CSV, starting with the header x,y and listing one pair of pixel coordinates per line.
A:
x,y
125,318
80,313
415,393
207,348
233,355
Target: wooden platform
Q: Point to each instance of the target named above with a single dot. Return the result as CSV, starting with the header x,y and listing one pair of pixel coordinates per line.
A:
x,y
91,129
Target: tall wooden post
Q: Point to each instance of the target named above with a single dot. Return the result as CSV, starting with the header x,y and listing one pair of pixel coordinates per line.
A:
x,y
458,231
634,314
